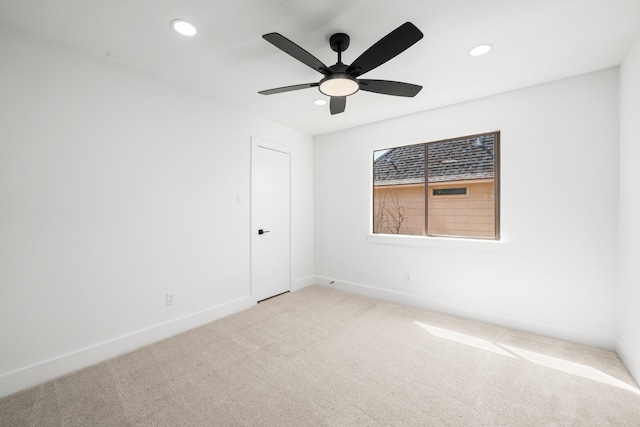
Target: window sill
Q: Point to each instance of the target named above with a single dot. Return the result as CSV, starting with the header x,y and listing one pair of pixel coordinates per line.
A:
x,y
438,242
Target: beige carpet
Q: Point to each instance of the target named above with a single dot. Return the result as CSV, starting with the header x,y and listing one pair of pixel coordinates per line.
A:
x,y
322,357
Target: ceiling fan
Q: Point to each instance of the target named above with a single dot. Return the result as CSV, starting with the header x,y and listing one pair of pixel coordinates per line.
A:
x,y
341,80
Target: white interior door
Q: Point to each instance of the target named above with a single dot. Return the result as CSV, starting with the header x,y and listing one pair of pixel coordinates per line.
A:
x,y
270,219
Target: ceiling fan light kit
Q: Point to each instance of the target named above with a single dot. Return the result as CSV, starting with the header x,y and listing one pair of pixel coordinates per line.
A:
x,y
341,80
339,84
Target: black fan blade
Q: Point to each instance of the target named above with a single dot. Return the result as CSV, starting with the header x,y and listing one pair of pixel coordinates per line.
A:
x,y
389,88
337,104
391,45
296,51
287,88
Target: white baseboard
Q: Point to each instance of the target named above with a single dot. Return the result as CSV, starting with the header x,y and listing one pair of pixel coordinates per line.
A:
x,y
629,359
567,333
53,368
303,283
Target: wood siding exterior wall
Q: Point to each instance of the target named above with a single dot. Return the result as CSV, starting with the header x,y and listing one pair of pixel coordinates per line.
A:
x,y
470,215
400,209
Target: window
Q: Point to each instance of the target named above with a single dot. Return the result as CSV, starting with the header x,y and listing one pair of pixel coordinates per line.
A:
x,y
449,191
461,196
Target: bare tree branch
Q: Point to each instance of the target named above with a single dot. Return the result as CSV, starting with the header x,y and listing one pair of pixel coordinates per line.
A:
x,y
389,213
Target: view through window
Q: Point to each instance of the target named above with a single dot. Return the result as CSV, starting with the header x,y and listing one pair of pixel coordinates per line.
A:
x,y
461,196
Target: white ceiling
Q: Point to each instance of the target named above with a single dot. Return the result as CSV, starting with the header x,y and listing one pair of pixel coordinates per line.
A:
x,y
535,41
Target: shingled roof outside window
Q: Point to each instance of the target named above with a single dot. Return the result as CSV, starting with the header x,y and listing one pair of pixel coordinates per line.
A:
x,y
450,160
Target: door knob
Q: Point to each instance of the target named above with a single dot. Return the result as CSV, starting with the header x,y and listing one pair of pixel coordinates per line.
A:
x,y
261,231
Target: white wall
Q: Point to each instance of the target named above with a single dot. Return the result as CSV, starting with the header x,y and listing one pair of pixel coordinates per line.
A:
x,y
629,341
555,270
114,190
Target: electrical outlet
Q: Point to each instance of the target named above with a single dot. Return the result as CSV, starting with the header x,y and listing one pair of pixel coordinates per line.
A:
x,y
171,298
407,277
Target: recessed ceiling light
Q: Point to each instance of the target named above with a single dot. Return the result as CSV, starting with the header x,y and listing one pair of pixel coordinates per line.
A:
x,y
320,102
185,28
480,50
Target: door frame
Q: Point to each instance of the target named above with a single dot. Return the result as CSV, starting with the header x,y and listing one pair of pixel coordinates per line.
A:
x,y
260,143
